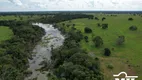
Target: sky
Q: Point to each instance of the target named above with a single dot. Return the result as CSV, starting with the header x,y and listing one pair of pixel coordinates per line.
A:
x,y
70,5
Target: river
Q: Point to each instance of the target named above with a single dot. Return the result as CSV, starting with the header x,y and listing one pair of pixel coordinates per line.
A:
x,y
42,51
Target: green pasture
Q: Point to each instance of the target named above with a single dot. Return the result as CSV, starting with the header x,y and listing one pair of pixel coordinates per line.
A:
x,y
126,57
5,33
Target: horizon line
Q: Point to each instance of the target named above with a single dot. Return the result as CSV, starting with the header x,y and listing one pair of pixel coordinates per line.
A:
x,y
75,11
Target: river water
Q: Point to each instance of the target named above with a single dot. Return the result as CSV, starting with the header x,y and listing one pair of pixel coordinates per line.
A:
x,y
52,38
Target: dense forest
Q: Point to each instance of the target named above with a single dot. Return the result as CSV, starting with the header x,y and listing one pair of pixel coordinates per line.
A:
x,y
63,17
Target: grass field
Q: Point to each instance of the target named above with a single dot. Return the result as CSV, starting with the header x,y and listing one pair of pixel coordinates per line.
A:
x,y
126,57
5,33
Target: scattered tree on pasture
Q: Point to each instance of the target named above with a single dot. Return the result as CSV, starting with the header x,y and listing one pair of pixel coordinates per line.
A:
x,y
120,40
98,24
87,30
130,19
107,52
98,41
104,26
103,18
96,18
133,28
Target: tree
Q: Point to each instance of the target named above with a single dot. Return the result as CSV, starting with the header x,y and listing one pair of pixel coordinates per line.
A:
x,y
96,18
103,18
107,52
133,28
104,26
87,30
98,41
120,40
130,19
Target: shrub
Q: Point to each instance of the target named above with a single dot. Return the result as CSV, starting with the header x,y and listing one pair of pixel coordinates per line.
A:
x,y
103,18
110,66
104,26
98,41
73,25
107,52
98,24
133,28
130,19
120,40
96,18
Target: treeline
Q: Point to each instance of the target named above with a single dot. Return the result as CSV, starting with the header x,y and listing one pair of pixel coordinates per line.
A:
x,y
14,53
63,17
7,22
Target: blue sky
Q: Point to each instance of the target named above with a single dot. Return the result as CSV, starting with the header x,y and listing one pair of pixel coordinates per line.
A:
x,y
58,5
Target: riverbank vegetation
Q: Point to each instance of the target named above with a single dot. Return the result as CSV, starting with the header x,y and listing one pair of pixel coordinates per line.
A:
x,y
72,62
14,52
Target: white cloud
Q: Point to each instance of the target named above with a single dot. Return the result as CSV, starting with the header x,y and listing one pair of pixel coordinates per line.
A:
x,y
78,4
17,2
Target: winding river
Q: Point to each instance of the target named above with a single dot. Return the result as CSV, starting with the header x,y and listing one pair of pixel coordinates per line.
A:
x,y
52,38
